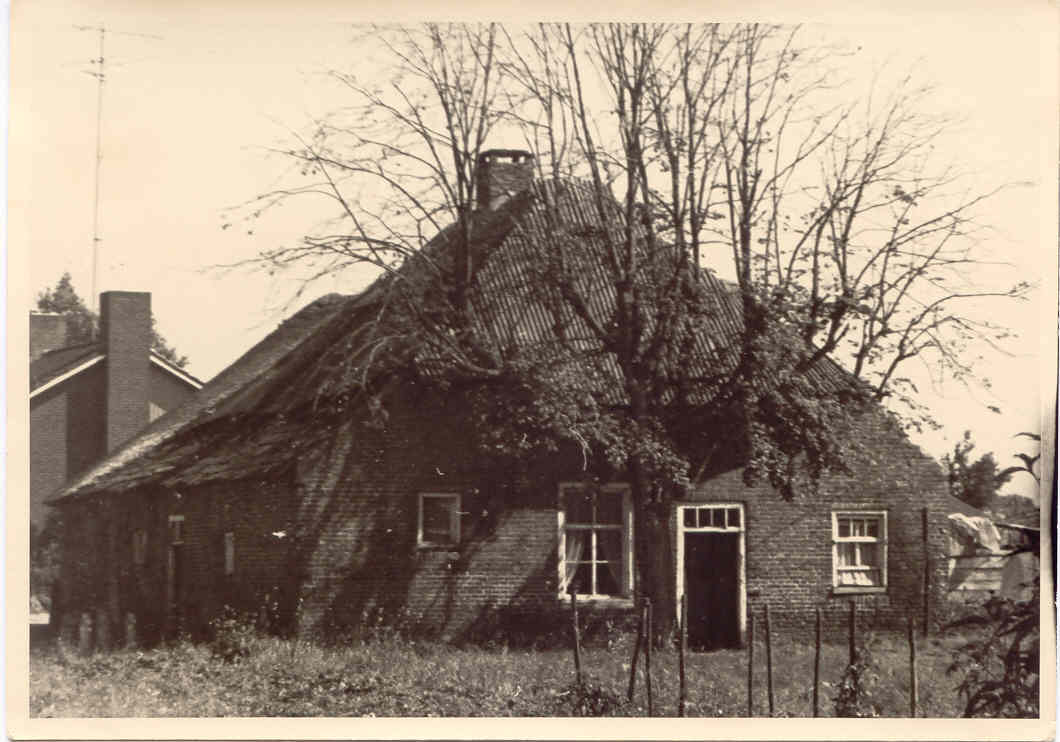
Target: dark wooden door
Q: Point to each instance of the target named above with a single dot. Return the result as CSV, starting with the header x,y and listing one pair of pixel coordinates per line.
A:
x,y
712,584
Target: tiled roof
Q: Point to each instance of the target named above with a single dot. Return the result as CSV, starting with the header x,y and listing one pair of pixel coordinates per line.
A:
x,y
250,419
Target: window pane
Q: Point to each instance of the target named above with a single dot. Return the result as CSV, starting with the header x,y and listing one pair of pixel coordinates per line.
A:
x,y
608,546
609,508
861,578
844,527
717,517
873,527
436,518
578,506
734,517
867,555
845,553
849,579
690,517
582,580
606,579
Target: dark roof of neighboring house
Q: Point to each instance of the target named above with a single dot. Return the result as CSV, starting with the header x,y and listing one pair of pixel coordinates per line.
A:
x,y
251,418
55,363
957,505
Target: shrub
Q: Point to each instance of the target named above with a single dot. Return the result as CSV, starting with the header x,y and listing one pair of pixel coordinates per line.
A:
x,y
855,690
588,698
233,635
999,664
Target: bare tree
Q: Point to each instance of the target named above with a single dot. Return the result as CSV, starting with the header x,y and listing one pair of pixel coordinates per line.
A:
x,y
658,148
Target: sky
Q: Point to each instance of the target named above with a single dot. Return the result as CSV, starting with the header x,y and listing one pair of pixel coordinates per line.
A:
x,y
196,96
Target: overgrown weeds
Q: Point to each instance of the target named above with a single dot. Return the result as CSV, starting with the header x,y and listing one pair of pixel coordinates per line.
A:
x,y
396,676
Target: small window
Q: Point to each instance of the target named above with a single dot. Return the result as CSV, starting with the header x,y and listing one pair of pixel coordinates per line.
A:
x,y
439,520
230,553
859,551
139,546
176,529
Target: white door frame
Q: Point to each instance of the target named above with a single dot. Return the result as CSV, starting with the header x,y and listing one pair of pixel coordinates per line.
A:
x,y
741,569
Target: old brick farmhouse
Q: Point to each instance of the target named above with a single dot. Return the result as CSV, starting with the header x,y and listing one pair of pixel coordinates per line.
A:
x,y
275,487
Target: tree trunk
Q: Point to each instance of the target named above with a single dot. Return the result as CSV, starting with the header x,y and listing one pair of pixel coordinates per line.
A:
x,y
654,560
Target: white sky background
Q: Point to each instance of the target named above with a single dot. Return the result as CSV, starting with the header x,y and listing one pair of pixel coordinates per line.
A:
x,y
187,120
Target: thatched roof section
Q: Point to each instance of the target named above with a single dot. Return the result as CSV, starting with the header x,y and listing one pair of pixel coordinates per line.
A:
x,y
151,455
257,416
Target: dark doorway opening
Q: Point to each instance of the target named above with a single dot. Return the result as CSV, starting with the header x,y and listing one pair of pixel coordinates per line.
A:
x,y
175,591
712,586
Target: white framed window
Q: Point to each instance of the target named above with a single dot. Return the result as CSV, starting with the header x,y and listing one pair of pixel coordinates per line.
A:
x,y
595,541
438,519
176,529
230,553
859,551
139,546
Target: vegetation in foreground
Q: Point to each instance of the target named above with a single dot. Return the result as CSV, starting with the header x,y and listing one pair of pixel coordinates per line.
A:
x,y
390,676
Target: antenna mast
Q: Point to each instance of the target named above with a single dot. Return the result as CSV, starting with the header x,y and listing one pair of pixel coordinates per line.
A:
x,y
100,76
99,72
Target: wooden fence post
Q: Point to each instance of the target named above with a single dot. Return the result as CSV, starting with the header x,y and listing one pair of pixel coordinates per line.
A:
x,y
682,645
636,654
750,663
853,638
912,668
577,638
769,661
927,569
816,661
649,640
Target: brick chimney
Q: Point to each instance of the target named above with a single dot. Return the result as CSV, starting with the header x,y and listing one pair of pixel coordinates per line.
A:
x,y
502,173
47,331
125,331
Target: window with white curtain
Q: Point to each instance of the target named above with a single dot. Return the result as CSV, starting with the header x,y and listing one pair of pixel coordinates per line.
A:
x,y
596,545
859,551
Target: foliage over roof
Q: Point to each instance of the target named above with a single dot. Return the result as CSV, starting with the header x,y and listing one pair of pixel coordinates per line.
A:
x,y
258,415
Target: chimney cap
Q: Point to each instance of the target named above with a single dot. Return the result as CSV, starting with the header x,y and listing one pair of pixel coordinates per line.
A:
x,y
516,155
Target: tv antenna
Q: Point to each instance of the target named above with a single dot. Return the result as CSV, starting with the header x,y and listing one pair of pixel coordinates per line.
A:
x,y
99,71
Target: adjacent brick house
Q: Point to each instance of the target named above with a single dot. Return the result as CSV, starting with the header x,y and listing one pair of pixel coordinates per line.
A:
x,y
88,399
275,487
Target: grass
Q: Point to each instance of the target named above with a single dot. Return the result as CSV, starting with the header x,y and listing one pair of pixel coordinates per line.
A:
x,y
395,677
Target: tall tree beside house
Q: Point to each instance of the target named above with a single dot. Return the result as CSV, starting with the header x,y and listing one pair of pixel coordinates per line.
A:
x,y
677,146
83,323
976,482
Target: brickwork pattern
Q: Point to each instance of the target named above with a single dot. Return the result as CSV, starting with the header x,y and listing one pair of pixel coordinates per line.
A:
x,y
125,327
332,547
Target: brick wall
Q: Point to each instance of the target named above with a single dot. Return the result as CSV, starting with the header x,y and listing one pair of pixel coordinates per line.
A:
x,y
125,329
358,519
348,556
100,572
66,435
502,172
165,391
789,544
